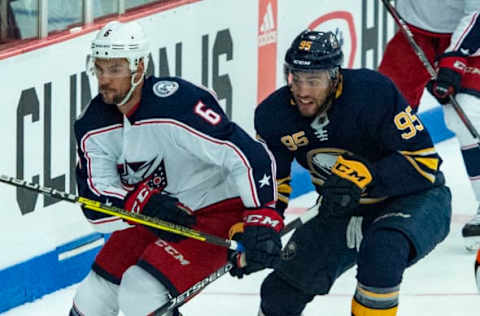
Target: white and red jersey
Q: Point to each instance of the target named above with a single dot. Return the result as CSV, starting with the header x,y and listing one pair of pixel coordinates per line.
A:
x,y
438,27
459,17
180,135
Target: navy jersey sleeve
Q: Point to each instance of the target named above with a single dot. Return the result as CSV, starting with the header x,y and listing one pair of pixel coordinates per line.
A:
x,y
207,133
283,157
409,160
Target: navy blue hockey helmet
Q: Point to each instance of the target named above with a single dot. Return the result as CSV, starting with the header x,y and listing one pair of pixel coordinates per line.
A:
x,y
313,50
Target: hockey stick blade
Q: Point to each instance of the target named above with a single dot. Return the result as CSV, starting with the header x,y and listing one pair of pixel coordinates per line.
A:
x,y
116,211
175,302
433,74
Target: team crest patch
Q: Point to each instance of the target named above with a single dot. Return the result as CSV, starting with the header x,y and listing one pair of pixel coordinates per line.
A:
x,y
165,88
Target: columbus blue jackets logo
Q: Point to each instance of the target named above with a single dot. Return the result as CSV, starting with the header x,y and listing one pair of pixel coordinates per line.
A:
x,y
132,173
165,88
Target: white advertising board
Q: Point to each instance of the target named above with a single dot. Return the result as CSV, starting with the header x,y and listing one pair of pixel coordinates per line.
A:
x,y
45,89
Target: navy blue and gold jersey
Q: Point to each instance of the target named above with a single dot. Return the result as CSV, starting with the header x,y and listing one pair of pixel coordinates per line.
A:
x,y
368,118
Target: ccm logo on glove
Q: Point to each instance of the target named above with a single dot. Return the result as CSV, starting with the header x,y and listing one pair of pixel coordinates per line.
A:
x,y
266,218
353,171
140,199
261,220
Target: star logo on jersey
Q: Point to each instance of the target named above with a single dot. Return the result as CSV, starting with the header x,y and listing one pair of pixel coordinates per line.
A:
x,y
264,181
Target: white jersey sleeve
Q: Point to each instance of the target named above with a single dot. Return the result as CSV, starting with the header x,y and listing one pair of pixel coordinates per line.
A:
x,y
246,161
466,37
436,16
96,174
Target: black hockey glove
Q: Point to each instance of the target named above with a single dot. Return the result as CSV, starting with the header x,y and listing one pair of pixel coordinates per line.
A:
x,y
449,77
259,234
342,190
150,202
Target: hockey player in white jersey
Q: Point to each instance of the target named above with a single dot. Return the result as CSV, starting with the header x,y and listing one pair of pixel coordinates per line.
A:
x,y
163,147
448,31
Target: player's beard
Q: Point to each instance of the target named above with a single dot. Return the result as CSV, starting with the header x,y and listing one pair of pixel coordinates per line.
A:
x,y
115,97
119,98
315,104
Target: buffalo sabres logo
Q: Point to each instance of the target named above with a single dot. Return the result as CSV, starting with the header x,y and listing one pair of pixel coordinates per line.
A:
x,y
321,160
165,88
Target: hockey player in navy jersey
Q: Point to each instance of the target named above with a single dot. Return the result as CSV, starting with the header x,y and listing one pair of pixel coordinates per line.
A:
x,y
163,147
383,203
448,31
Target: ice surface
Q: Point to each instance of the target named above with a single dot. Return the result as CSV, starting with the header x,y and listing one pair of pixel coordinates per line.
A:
x,y
442,284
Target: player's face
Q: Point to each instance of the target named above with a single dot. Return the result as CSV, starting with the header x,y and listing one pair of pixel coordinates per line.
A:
x,y
310,90
114,77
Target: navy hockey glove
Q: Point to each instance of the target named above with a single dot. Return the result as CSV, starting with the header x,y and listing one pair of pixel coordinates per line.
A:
x,y
259,234
150,202
449,77
342,190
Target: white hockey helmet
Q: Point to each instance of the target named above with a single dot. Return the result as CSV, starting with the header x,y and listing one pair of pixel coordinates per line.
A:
x,y
121,40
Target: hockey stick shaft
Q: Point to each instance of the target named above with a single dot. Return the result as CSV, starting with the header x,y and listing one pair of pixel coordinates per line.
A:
x,y
428,66
175,302
116,211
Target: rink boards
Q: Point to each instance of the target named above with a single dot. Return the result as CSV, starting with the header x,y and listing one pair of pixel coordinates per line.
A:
x,y
238,52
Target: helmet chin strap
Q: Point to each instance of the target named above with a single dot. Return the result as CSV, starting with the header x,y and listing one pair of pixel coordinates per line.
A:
x,y
133,85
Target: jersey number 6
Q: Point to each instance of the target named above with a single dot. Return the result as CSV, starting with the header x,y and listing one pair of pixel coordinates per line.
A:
x,y
207,114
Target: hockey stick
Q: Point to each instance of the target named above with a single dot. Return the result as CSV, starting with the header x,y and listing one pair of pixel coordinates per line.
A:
x,y
421,55
116,211
175,302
